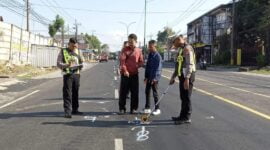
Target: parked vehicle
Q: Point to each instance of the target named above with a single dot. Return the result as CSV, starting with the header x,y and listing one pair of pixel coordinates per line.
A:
x,y
103,57
202,63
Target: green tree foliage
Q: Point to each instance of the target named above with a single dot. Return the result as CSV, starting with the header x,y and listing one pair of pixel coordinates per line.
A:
x,y
105,48
162,36
252,24
56,26
93,42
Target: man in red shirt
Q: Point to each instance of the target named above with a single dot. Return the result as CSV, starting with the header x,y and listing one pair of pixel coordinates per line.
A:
x,y
131,59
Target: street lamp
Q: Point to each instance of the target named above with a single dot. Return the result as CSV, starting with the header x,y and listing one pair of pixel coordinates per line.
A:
x,y
127,25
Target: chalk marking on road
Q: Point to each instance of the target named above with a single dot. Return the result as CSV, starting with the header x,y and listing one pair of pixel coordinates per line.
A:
x,y
148,126
209,117
106,94
105,109
118,144
100,102
116,94
235,88
142,135
19,99
92,118
265,116
37,106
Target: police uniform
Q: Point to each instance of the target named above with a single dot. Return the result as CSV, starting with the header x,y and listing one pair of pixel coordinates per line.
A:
x,y
185,68
70,62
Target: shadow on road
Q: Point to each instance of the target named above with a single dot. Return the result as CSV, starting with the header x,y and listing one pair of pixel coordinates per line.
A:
x,y
49,114
109,123
86,98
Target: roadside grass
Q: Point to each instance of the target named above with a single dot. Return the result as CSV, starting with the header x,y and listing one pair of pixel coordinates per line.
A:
x,y
261,71
26,71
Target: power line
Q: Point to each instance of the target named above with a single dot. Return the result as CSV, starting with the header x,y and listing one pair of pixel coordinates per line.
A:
x,y
63,10
11,7
115,12
195,5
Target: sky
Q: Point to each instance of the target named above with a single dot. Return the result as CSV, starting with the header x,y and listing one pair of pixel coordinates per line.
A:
x,y
102,17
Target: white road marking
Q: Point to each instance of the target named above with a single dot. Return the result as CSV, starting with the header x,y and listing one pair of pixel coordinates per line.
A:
x,y
19,99
118,144
37,106
115,78
116,94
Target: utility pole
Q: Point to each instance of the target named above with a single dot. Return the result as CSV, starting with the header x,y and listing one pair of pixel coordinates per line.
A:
x,y
233,33
144,46
62,32
93,31
76,29
27,15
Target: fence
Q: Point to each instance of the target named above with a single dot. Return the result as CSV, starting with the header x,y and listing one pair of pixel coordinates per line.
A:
x,y
43,56
15,44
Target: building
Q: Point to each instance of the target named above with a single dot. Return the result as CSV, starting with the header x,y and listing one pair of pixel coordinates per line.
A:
x,y
80,38
204,32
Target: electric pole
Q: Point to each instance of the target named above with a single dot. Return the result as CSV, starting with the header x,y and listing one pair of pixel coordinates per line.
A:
x,y
233,33
76,29
62,34
144,46
27,15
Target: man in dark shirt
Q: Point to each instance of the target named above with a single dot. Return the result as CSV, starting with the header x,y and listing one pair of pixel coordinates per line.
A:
x,y
152,76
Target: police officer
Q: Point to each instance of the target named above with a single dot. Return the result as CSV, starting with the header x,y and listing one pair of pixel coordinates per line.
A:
x,y
185,70
70,62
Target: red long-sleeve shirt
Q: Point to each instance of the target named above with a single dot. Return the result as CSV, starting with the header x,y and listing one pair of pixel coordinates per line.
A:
x,y
130,60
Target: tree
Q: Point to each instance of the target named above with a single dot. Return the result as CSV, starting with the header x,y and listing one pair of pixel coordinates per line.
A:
x,y
56,26
93,42
162,36
105,48
252,23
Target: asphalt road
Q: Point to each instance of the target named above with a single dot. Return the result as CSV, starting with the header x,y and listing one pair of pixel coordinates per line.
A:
x,y
230,112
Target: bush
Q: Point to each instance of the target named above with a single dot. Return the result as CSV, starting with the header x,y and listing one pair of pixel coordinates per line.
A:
x,y
261,60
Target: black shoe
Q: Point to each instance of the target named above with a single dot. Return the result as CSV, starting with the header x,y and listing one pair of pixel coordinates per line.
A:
x,y
175,118
67,115
122,112
182,121
77,113
133,112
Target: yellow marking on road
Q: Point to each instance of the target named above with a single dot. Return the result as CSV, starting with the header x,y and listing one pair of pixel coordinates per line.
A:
x,y
231,87
265,116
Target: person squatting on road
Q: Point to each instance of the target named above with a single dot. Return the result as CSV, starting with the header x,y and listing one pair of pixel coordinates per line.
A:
x,y
152,75
131,59
185,70
70,62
